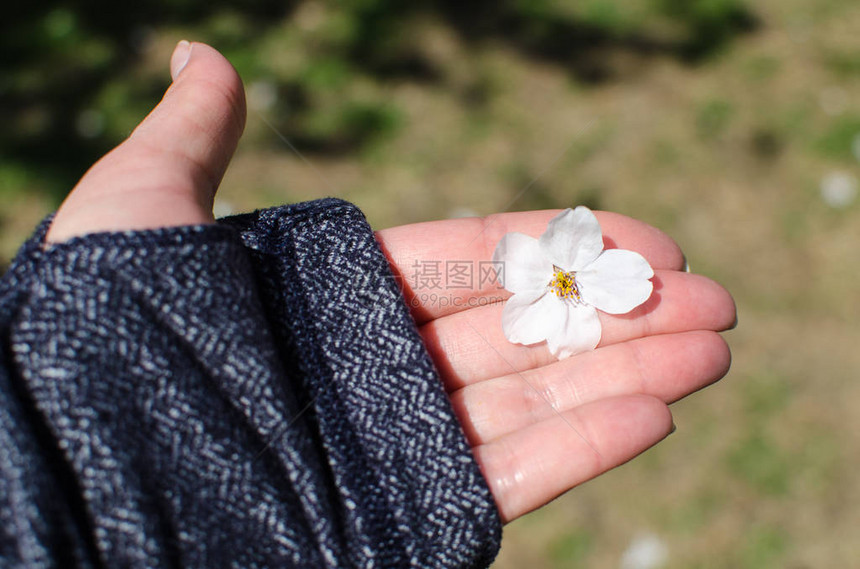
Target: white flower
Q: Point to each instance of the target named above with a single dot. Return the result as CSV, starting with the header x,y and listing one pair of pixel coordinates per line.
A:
x,y
561,279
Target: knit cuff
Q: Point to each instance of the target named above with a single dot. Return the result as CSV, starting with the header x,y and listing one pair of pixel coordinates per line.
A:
x,y
400,462
253,391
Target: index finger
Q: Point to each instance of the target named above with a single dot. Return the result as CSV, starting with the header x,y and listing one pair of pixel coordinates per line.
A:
x,y
445,266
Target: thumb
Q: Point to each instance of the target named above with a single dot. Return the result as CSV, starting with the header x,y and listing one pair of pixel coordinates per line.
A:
x,y
166,173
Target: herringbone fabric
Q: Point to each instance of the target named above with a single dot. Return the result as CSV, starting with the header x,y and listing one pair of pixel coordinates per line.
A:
x,y
249,394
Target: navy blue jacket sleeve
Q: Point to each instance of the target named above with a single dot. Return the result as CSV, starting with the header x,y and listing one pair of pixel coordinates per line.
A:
x,y
247,394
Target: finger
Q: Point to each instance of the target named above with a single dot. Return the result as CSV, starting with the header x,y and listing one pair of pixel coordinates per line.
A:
x,y
166,173
468,243
529,467
470,346
666,367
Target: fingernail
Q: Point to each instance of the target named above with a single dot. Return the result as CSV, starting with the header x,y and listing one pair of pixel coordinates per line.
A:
x,y
674,428
734,324
180,57
686,265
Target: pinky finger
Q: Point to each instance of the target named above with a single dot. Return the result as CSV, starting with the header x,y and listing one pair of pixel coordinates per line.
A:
x,y
530,467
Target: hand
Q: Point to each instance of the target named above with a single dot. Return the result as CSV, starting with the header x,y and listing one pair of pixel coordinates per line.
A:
x,y
537,426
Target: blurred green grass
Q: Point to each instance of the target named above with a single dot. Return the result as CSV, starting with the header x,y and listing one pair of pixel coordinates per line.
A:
x,y
715,120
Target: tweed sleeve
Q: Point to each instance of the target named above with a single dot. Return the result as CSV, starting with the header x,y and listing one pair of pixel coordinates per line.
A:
x,y
248,394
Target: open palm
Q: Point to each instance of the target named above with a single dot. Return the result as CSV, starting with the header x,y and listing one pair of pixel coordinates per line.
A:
x,y
537,426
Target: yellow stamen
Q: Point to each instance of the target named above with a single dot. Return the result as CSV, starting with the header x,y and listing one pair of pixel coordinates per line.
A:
x,y
564,284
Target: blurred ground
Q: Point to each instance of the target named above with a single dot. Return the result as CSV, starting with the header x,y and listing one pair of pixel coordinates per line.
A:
x,y
733,127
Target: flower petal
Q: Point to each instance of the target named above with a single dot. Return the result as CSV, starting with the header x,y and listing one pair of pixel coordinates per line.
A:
x,y
617,282
529,317
579,332
573,239
521,264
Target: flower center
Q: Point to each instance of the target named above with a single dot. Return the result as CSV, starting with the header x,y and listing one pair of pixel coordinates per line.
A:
x,y
564,284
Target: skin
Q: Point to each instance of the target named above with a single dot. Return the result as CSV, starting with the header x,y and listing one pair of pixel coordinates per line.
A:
x,y
538,427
